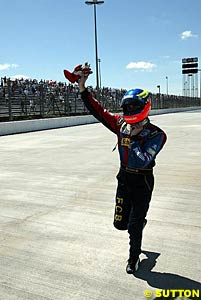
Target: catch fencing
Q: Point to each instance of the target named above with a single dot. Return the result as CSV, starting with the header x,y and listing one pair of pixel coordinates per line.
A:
x,y
53,100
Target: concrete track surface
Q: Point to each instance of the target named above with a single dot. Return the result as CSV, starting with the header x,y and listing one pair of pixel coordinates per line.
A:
x,y
57,190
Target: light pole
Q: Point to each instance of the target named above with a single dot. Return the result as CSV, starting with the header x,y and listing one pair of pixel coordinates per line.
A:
x,y
159,89
99,61
185,88
94,3
159,96
167,83
200,82
190,84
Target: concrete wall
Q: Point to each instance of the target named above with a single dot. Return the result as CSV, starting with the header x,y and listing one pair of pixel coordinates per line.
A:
x,y
44,124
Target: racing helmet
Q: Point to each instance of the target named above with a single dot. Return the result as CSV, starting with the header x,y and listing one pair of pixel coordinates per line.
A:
x,y
136,105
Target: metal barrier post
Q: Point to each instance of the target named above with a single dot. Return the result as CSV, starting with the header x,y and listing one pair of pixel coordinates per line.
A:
x,y
9,101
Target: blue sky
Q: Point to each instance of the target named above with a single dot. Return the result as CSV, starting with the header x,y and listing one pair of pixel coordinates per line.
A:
x,y
139,42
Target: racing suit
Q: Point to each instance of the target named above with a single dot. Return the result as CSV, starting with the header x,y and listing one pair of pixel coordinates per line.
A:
x,y
135,177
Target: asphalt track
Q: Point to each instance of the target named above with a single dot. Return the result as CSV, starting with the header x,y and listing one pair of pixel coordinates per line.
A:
x,y
57,190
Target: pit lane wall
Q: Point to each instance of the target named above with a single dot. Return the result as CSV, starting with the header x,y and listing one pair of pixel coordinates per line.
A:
x,y
14,127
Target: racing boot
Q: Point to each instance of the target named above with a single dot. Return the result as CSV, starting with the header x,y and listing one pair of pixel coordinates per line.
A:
x,y
133,264
144,223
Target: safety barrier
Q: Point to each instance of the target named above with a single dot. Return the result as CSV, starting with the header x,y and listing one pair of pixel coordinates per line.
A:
x,y
14,127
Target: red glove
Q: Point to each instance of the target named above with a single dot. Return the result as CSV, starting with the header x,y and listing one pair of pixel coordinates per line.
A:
x,y
78,71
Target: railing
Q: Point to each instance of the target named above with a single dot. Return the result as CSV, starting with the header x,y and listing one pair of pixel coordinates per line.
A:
x,y
171,101
53,101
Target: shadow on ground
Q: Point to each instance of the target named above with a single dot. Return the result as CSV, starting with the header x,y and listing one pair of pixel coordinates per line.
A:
x,y
165,281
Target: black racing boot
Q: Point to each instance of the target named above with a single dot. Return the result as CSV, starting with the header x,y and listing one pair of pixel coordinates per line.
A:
x,y
144,223
133,264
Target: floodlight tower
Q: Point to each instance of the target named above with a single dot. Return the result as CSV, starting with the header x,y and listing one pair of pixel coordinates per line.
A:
x,y
94,3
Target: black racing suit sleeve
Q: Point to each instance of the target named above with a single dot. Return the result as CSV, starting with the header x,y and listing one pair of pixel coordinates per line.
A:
x,y
100,113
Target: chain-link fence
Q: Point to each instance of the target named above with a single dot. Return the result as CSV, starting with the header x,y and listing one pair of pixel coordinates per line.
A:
x,y
29,99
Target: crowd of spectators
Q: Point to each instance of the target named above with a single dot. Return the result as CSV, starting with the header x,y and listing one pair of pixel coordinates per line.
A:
x,y
32,94
33,87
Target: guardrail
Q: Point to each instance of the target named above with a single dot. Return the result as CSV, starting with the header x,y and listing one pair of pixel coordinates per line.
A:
x,y
14,127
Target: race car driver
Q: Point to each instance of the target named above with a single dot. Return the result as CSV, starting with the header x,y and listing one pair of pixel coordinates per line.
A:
x,y
139,141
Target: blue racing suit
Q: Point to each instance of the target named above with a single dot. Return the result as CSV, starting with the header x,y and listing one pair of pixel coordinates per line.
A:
x,y
135,178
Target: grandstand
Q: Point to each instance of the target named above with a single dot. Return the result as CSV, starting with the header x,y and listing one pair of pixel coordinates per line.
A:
x,y
30,99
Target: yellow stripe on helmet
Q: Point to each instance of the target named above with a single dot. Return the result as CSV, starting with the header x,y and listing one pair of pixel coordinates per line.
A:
x,y
143,94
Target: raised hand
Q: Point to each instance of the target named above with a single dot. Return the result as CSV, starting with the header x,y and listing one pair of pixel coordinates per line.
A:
x,y
78,72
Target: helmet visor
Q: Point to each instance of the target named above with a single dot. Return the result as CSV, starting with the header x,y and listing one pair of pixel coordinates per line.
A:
x,y
130,109
133,106
137,102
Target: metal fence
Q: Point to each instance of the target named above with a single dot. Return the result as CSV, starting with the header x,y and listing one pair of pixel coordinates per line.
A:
x,y
30,100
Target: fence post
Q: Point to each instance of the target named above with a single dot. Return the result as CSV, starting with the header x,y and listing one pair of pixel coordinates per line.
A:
x,y
75,98
67,107
42,99
9,100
